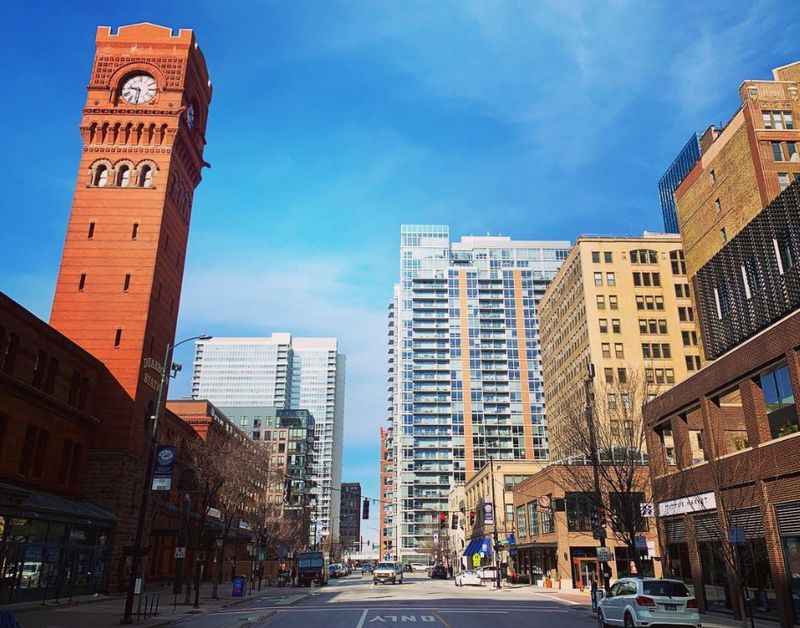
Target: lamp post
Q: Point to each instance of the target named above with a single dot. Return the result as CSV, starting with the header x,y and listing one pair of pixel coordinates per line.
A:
x,y
136,558
496,547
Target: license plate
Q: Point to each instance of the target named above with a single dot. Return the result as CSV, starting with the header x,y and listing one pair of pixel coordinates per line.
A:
x,y
670,607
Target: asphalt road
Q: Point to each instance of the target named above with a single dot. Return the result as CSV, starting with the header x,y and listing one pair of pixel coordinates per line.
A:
x,y
354,602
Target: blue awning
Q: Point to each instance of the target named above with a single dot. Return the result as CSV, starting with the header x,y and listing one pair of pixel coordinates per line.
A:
x,y
471,546
479,544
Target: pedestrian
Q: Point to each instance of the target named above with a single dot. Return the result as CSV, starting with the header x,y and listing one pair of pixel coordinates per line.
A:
x,y
593,580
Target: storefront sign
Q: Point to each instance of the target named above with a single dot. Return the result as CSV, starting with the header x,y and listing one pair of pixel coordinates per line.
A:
x,y
214,512
647,510
684,505
604,554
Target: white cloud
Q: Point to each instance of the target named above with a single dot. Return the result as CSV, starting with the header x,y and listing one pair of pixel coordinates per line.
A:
x,y
264,293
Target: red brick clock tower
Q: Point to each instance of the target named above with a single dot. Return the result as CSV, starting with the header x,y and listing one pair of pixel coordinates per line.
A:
x,y
143,131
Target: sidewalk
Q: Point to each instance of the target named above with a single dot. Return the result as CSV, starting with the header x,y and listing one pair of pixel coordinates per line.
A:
x,y
106,612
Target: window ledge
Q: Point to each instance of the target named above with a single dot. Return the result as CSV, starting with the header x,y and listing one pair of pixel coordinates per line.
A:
x,y
779,439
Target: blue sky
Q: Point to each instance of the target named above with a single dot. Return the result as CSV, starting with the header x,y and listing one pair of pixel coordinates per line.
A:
x,y
334,122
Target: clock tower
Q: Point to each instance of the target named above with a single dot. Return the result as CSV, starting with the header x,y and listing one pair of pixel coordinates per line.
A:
x,y
143,134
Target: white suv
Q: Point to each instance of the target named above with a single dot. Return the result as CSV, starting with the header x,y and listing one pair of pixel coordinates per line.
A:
x,y
636,602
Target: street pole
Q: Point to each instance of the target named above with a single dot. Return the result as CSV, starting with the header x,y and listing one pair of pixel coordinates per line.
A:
x,y
136,559
496,547
600,530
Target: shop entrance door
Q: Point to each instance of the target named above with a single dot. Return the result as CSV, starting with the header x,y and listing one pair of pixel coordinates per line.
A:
x,y
583,571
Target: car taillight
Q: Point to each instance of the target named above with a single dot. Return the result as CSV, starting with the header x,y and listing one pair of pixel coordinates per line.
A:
x,y
692,603
643,600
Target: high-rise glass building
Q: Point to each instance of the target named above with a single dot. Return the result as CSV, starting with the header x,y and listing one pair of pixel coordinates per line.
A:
x,y
284,372
465,377
672,178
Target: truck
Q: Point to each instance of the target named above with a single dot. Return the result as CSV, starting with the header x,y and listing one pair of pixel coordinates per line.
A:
x,y
311,567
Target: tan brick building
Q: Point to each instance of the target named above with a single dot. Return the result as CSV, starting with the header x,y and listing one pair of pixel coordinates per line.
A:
x,y
743,167
478,493
623,305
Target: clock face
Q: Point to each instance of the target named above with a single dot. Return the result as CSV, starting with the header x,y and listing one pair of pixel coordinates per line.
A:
x,y
190,116
139,89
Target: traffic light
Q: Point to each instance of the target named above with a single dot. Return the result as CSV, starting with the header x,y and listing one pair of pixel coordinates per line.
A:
x,y
442,520
454,524
365,509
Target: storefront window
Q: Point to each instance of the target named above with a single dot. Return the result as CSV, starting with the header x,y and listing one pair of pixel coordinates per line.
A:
x,y
791,553
715,580
678,562
755,570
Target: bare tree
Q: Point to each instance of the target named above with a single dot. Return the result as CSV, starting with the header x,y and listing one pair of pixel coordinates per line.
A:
x,y
607,429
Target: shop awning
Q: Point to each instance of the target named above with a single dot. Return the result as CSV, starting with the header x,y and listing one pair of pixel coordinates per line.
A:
x,y
479,544
29,503
470,549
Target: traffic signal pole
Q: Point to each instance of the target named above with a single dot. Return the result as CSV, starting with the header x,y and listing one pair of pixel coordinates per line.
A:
x,y
599,528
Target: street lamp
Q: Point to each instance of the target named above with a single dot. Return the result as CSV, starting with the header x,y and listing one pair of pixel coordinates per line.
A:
x,y
136,559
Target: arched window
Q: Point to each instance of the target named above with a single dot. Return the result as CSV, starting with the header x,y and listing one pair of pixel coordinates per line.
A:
x,y
146,177
123,176
101,176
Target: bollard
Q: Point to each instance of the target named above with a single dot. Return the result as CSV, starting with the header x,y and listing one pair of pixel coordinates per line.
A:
x,y
158,601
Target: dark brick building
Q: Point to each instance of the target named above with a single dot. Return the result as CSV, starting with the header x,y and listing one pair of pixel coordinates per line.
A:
x,y
725,444
350,516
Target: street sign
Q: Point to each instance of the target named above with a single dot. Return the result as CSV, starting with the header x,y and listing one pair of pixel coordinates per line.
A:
x,y
180,552
647,509
604,554
476,560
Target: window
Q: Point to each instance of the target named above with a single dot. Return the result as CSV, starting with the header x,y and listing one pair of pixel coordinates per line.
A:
x,y
713,176
666,350
596,257
39,368
611,279
117,337
615,325
791,151
723,235
718,205
619,351
612,301
579,508
646,353
639,302
90,235
777,120
82,282
100,176
146,177
648,376
662,326
659,301
668,443
642,325
123,176
612,401
777,152
783,180
598,279
601,302
609,375
606,348
608,257
670,375
52,375
135,231
779,399
656,279
783,252
622,375
126,284
603,325
637,279
692,362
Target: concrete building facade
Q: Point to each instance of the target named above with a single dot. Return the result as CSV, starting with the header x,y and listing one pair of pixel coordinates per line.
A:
x,y
467,381
284,372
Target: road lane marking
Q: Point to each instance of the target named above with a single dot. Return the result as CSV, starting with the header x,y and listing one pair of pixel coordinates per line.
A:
x,y
561,600
360,623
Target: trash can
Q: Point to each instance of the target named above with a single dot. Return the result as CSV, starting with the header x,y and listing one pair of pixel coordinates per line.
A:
x,y
239,586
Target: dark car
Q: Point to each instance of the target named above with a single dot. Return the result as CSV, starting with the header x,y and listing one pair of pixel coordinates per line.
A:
x,y
439,572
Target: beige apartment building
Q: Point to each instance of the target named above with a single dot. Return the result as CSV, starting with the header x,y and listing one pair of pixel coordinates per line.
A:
x,y
743,167
623,305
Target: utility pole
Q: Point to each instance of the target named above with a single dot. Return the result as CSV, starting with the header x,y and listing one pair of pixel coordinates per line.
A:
x,y
496,547
600,528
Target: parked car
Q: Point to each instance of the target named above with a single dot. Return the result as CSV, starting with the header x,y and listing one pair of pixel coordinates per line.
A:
x,y
438,571
477,577
407,568
633,602
333,570
366,569
387,572
419,567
